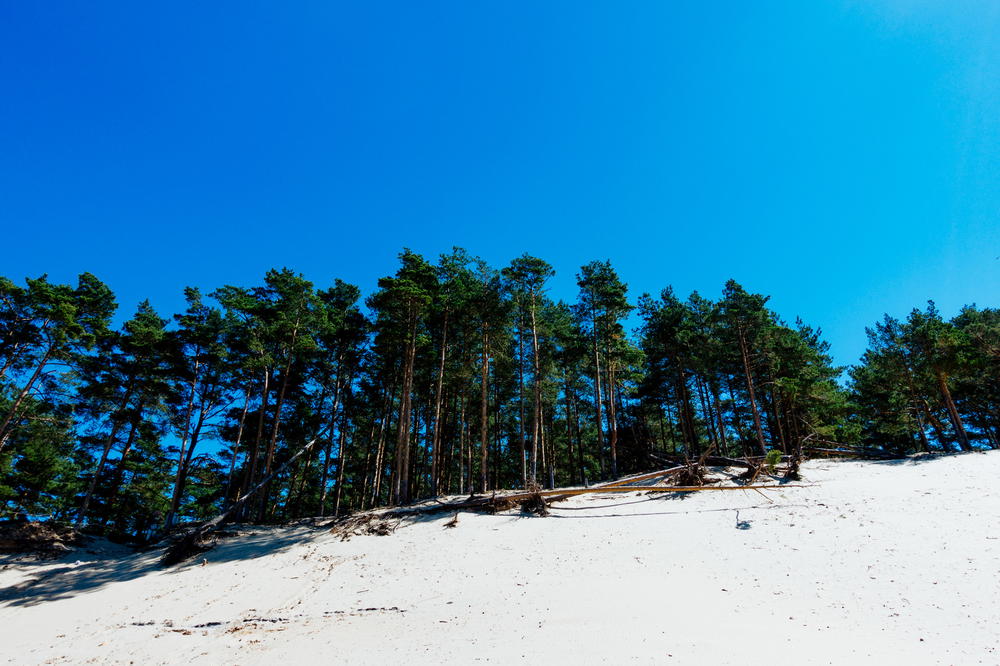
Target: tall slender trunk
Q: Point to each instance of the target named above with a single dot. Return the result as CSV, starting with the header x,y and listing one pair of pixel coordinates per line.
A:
x,y
367,468
661,422
378,464
598,420
184,466
925,445
672,423
108,444
936,425
569,430
520,398
548,436
401,482
706,409
579,442
273,442
119,475
497,437
417,462
449,462
777,408
465,464
484,410
341,464
956,419
737,423
612,413
378,472
536,420
325,477
721,425
236,446
436,440
918,404
9,421
182,452
541,449
750,391
250,473
686,413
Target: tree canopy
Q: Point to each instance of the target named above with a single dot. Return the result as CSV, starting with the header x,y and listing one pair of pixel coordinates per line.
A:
x,y
452,377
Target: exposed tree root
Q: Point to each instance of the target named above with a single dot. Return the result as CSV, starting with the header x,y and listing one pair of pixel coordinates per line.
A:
x,y
366,524
692,474
534,502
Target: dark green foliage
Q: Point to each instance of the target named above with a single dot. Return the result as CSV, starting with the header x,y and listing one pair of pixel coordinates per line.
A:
x,y
453,377
926,383
736,379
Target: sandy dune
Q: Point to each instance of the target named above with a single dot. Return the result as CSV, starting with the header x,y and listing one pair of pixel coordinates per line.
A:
x,y
889,563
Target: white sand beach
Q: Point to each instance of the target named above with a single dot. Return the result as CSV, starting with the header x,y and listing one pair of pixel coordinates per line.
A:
x,y
864,562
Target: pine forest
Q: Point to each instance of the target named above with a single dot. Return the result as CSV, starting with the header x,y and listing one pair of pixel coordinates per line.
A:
x,y
453,378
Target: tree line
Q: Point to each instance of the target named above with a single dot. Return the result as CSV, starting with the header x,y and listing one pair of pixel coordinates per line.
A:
x,y
452,377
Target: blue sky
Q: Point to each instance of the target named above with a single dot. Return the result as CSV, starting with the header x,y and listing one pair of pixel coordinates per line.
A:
x,y
843,157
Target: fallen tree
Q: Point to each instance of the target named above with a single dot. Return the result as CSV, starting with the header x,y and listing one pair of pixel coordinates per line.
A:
x,y
496,503
199,539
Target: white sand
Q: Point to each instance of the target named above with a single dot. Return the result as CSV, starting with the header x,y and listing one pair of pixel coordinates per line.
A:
x,y
873,563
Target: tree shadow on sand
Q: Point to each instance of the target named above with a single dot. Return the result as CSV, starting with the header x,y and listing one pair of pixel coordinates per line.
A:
x,y
905,460
48,581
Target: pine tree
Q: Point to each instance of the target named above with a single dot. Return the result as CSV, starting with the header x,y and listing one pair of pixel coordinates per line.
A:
x,y
601,307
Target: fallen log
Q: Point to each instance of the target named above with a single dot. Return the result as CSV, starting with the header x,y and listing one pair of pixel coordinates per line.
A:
x,y
510,501
641,477
722,461
653,489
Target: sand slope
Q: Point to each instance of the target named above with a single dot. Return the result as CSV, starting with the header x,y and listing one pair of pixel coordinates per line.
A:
x,y
872,563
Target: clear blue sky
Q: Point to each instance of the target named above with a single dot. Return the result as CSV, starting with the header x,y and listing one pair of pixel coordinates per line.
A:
x,y
843,157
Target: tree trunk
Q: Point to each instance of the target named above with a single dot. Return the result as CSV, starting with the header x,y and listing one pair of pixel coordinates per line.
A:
x,y
613,416
108,444
737,423
181,454
273,442
9,421
436,441
520,398
484,411
936,426
536,420
401,482
579,442
569,430
598,420
184,468
750,392
324,479
956,419
341,464
721,425
250,473
378,471
236,446
119,476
